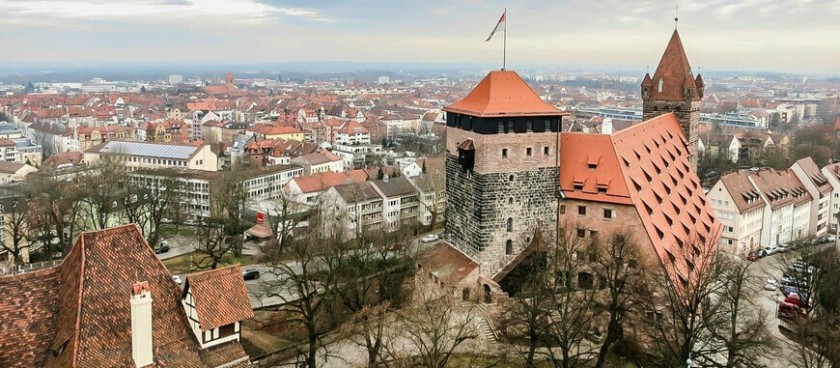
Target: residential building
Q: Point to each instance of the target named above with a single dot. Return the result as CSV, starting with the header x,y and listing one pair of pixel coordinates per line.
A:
x,y
350,134
739,207
112,303
318,162
307,189
142,155
273,131
358,206
198,187
14,171
401,202
432,196
820,189
788,205
832,174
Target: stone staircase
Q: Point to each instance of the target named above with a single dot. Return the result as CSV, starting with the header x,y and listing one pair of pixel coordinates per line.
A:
x,y
485,328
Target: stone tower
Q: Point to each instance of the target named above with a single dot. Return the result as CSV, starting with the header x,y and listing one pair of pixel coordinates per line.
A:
x,y
673,88
501,169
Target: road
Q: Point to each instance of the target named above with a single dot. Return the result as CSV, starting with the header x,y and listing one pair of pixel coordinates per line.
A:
x,y
771,267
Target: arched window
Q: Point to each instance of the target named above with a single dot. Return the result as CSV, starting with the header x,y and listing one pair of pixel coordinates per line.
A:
x,y
659,88
509,247
509,224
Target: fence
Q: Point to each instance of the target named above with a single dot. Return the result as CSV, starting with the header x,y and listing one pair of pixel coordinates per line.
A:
x,y
7,270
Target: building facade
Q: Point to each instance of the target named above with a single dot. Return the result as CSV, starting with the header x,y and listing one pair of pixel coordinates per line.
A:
x,y
501,168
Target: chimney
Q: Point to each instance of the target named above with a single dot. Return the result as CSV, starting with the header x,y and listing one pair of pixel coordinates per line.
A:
x,y
141,324
606,126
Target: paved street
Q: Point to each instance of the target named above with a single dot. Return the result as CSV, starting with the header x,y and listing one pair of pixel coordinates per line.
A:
x,y
770,267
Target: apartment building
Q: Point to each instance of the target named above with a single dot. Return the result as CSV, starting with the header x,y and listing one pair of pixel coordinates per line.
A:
x,y
142,155
820,189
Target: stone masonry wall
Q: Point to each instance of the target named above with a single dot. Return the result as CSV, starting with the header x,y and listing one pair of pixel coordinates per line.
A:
x,y
479,205
489,157
688,115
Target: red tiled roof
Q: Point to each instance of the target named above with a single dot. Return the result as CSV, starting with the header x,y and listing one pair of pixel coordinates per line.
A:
x,y
675,73
447,263
780,187
322,181
91,323
503,93
220,297
27,317
743,192
648,163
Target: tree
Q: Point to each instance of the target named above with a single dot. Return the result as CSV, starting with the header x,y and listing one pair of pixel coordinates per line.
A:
x,y
380,174
618,264
58,213
102,193
676,324
572,315
14,223
211,244
435,328
527,313
305,282
737,326
227,201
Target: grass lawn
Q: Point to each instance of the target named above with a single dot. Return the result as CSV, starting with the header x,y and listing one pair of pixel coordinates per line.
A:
x,y
183,264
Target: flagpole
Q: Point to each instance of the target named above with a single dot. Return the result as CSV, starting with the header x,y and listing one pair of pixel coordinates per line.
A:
x,y
504,44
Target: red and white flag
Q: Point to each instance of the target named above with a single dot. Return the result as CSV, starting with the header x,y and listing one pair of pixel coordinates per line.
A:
x,y
500,27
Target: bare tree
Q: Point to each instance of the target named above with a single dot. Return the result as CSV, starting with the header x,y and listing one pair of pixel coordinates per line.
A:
x,y
527,314
736,325
618,265
434,329
102,194
676,325
14,229
57,206
572,315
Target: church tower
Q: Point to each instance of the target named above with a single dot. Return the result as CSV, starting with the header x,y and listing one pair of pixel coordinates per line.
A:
x,y
501,169
673,88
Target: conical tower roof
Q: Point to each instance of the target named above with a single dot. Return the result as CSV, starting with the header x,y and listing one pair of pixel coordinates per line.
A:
x,y
503,93
675,73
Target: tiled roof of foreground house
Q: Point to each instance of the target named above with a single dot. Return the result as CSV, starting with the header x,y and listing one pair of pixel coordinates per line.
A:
x,y
78,314
645,165
218,296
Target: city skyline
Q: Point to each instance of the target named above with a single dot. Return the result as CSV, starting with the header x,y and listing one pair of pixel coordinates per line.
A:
x,y
757,35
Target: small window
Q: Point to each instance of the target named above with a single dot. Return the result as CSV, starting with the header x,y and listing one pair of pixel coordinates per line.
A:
x,y
529,151
546,151
510,178
509,247
608,213
504,152
509,225
632,263
562,209
581,233
582,210
510,200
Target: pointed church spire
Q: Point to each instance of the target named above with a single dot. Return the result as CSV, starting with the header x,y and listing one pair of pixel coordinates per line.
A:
x,y
673,78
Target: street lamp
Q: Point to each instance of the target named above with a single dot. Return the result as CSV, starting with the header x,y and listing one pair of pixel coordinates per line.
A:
x,y
689,362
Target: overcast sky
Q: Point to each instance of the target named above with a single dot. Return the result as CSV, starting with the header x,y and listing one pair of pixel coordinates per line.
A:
x,y
756,35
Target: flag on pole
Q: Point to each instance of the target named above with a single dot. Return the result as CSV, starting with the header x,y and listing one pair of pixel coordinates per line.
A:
x,y
500,27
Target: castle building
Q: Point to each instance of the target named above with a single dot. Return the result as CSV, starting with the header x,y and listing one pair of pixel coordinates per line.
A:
x,y
673,88
501,169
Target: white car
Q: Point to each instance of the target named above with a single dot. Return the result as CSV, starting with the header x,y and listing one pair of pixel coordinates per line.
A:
x,y
771,285
429,238
177,279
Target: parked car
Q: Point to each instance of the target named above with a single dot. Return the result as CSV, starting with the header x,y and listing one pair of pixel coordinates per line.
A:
x,y
787,290
753,256
796,300
782,248
429,238
177,279
788,310
832,238
250,274
771,250
162,248
771,285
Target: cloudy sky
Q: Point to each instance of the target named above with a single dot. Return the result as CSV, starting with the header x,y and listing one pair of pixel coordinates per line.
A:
x,y
760,35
